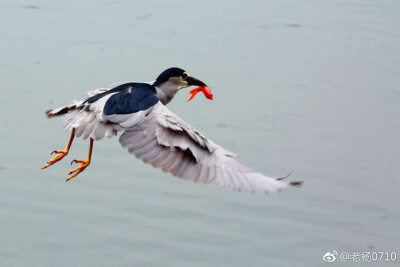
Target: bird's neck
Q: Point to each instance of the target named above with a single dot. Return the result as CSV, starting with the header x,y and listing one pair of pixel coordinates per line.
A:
x,y
165,92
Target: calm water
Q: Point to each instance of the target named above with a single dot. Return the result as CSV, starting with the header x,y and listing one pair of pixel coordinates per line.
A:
x,y
311,87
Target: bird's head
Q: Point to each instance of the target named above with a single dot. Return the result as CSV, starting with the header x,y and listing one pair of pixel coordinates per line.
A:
x,y
170,81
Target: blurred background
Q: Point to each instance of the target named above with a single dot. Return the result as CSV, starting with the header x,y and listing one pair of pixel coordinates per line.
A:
x,y
307,86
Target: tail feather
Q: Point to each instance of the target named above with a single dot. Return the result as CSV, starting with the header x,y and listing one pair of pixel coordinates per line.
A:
x,y
59,111
64,110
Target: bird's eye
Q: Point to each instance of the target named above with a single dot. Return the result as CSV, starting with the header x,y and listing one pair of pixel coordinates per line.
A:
x,y
184,75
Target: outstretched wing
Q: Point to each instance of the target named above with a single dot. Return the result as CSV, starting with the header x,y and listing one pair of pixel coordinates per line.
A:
x,y
165,141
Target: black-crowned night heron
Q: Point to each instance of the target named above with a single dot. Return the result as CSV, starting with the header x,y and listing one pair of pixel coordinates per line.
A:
x,y
157,136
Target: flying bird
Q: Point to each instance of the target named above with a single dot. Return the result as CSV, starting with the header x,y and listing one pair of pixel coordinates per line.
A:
x,y
156,135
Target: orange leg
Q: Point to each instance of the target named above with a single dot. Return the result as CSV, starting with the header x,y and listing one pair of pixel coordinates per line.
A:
x,y
84,163
61,153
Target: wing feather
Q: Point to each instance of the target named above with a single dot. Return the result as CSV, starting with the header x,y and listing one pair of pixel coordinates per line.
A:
x,y
164,140
148,147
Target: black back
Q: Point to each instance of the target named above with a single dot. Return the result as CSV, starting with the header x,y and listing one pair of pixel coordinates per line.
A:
x,y
133,98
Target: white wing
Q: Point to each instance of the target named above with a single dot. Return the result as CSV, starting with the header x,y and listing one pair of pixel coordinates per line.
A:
x,y
165,141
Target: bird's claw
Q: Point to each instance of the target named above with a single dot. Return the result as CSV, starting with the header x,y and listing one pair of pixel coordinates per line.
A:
x,y
79,161
79,169
60,154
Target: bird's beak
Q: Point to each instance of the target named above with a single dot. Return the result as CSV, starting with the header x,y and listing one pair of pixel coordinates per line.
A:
x,y
193,81
202,87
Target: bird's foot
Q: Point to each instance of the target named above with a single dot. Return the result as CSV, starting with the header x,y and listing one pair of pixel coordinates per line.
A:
x,y
60,156
79,169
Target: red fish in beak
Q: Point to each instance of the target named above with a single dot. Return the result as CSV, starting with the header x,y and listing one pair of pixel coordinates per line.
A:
x,y
206,91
